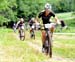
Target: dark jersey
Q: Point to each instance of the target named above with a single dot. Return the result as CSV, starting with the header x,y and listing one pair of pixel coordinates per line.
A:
x,y
46,18
31,22
20,24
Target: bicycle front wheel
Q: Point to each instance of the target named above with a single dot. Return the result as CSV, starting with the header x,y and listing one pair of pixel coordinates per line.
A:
x,y
50,43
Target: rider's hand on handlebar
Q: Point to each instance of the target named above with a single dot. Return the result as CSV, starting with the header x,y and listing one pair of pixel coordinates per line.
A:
x,y
58,22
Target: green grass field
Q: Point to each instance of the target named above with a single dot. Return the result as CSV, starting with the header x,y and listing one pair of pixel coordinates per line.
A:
x,y
62,44
69,19
14,50
65,43
65,15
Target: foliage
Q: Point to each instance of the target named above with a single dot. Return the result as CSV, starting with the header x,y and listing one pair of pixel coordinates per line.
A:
x,y
12,9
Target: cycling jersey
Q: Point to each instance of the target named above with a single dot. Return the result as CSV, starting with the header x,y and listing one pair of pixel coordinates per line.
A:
x,y
31,23
45,19
20,24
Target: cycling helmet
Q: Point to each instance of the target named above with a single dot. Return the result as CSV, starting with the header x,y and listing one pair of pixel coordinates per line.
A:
x,y
21,19
48,6
33,18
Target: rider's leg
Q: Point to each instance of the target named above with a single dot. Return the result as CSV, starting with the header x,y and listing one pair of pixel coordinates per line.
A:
x,y
19,29
51,32
23,34
30,31
33,33
43,39
19,32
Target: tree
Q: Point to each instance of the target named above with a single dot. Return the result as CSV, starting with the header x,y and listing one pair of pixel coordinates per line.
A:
x,y
7,10
10,10
73,5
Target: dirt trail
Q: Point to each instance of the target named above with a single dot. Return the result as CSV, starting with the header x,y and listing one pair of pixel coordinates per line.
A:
x,y
5,55
54,58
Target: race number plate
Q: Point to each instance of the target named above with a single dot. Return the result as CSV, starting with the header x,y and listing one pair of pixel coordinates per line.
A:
x,y
22,27
49,25
33,26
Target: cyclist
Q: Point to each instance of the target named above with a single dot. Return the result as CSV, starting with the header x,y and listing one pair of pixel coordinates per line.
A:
x,y
46,15
20,25
32,26
31,22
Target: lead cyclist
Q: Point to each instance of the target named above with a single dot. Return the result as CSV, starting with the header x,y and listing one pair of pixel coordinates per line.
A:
x,y
46,15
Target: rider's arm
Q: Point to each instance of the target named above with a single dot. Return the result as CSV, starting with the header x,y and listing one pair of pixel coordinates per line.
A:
x,y
40,14
57,20
17,24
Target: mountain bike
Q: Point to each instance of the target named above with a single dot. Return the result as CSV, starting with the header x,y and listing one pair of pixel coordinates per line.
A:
x,y
47,44
32,34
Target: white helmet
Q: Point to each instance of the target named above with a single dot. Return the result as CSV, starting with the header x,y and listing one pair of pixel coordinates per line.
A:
x,y
48,6
33,18
22,19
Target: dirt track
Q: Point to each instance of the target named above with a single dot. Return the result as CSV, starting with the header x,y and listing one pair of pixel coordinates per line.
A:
x,y
54,58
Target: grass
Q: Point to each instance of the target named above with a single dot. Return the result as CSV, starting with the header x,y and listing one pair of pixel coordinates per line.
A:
x,y
69,20
63,44
65,15
68,30
16,50
65,52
